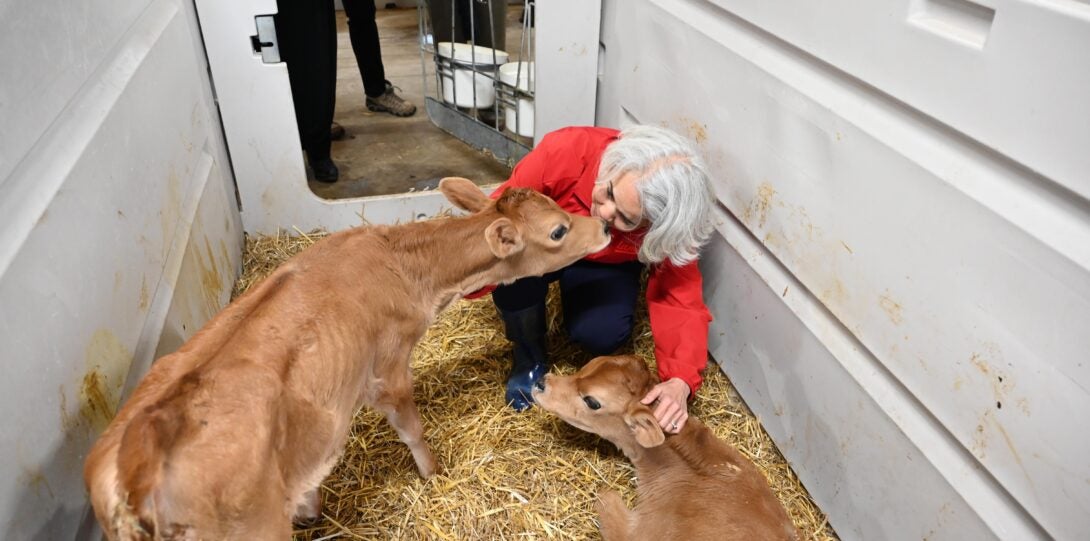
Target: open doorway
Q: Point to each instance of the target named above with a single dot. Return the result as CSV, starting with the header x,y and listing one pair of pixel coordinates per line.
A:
x,y
383,154
256,109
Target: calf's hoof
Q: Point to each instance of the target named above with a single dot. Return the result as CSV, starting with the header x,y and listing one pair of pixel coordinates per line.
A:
x,y
309,511
429,470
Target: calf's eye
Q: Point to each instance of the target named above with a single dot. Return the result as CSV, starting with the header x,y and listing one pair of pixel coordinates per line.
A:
x,y
591,402
558,233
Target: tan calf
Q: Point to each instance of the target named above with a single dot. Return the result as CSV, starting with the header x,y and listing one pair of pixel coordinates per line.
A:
x,y
229,437
692,486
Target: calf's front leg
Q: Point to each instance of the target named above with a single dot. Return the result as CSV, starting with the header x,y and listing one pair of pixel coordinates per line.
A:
x,y
396,403
310,509
614,518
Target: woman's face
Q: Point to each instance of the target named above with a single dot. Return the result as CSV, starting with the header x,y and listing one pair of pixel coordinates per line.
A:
x,y
618,203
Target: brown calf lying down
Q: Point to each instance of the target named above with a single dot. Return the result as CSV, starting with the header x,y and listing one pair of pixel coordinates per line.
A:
x,y
692,486
229,437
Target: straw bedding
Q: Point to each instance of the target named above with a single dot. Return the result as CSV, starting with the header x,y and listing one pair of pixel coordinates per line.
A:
x,y
505,475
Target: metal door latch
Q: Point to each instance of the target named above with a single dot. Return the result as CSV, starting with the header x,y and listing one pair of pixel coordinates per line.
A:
x,y
265,40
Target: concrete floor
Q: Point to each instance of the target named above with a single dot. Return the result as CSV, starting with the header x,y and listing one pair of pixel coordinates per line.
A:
x,y
383,154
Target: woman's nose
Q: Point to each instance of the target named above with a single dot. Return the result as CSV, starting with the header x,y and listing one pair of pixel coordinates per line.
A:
x,y
607,211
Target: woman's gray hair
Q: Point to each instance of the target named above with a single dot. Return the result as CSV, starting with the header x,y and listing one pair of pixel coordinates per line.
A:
x,y
673,187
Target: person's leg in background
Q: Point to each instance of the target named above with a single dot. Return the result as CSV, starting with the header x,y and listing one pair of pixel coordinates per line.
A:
x,y
444,25
363,33
307,34
522,307
489,24
462,21
600,304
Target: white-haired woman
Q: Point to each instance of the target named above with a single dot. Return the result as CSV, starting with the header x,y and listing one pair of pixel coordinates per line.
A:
x,y
652,188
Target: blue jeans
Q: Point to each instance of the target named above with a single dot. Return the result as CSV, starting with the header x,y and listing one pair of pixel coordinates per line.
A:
x,y
599,301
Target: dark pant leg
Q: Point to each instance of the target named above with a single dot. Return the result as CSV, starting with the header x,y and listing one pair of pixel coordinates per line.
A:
x,y
490,24
600,304
523,293
447,20
363,32
460,20
307,32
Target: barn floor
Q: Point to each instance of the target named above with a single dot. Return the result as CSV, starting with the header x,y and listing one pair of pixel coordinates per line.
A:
x,y
506,475
383,154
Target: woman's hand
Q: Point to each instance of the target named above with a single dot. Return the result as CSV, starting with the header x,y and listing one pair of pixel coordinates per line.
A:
x,y
672,410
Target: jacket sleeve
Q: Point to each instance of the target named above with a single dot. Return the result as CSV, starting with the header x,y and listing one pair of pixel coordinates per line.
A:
x,y
679,322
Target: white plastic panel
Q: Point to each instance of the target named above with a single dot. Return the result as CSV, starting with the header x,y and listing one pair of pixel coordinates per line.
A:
x,y
38,85
931,202
122,183
567,34
1010,74
832,409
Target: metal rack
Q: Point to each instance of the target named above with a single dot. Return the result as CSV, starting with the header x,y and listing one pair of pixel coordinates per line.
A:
x,y
492,115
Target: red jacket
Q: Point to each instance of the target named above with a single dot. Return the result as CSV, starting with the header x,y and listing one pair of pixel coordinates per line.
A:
x,y
564,166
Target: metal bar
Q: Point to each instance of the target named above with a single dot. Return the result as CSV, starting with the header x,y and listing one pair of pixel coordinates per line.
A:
x,y
476,134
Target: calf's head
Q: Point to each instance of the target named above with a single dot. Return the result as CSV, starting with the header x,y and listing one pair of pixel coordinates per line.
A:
x,y
604,398
528,231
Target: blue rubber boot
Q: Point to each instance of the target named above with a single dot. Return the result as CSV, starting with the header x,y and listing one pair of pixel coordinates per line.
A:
x,y
526,330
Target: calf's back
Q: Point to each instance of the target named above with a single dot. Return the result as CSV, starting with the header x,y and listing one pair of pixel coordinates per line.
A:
x,y
230,436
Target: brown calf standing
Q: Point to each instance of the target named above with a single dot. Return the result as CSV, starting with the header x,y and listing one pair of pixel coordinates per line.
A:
x,y
692,486
229,437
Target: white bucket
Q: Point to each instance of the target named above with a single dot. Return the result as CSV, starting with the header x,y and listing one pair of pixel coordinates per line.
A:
x,y
465,82
519,75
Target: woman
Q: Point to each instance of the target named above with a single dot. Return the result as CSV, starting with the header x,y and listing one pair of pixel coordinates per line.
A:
x,y
650,185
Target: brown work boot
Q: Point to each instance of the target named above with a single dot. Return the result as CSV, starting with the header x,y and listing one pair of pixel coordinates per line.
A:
x,y
390,102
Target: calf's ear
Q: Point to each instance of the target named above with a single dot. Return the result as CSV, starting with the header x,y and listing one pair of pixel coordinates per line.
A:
x,y
464,194
644,426
504,239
